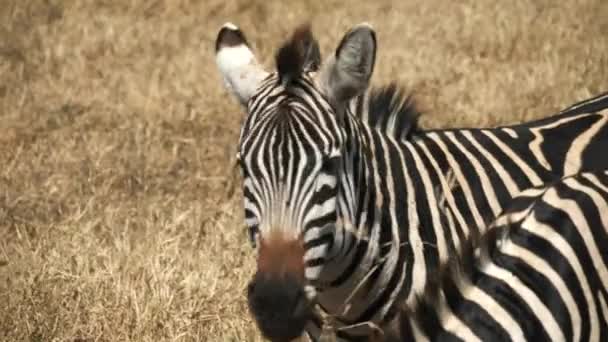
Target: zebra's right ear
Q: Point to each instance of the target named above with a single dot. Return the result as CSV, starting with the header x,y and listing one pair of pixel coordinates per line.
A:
x,y
241,72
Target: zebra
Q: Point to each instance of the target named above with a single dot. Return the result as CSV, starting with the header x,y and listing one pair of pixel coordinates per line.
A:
x,y
539,273
341,187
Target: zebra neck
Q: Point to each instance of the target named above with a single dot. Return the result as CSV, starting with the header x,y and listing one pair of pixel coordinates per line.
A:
x,y
371,242
408,225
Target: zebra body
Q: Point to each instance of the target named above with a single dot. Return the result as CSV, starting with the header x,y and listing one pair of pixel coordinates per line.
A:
x,y
341,191
538,274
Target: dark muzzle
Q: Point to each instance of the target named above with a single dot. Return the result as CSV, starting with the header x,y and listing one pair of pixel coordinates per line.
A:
x,y
279,306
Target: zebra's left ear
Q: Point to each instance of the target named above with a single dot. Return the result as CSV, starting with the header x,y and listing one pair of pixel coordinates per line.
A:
x,y
348,72
239,68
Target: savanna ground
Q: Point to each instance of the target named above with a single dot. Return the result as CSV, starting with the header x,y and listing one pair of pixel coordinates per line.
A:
x,y
119,218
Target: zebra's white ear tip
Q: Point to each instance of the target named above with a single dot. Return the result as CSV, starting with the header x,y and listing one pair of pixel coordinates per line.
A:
x,y
230,26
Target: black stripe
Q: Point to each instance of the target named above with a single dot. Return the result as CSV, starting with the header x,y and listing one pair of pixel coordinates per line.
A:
x,y
360,249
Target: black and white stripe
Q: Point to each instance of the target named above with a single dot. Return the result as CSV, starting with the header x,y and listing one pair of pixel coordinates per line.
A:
x,y
538,274
365,189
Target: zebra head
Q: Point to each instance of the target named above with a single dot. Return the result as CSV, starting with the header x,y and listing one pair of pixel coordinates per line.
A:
x,y
291,151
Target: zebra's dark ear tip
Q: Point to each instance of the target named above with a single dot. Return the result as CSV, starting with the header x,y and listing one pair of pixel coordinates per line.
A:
x,y
229,36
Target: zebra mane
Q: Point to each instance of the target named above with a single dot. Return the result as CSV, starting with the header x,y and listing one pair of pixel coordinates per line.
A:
x,y
298,54
392,111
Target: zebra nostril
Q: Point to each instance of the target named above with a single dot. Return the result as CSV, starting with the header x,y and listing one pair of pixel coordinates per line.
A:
x,y
301,305
251,288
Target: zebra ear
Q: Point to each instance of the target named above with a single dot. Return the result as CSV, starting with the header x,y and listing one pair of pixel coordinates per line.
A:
x,y
350,71
239,68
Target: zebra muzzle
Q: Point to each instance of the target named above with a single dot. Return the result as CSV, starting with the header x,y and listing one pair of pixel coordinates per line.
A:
x,y
279,306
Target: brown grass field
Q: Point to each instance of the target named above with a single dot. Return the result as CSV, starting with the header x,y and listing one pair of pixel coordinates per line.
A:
x,y
120,215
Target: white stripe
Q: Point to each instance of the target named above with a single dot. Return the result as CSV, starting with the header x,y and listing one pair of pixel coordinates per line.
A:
x,y
432,203
277,201
419,264
322,209
325,179
252,183
316,232
452,323
586,102
548,233
298,192
455,166
516,216
593,179
511,132
390,264
312,272
251,221
534,147
536,305
256,196
526,169
314,253
290,173
334,298
506,177
304,182
348,200
578,216
371,257
486,185
574,157
494,309
541,265
603,306
539,138
321,126
449,197
262,183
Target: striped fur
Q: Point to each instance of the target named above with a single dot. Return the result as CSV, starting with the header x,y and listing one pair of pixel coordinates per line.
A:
x,y
362,193
538,274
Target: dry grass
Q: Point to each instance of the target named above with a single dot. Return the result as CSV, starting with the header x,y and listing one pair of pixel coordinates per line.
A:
x,y
117,221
